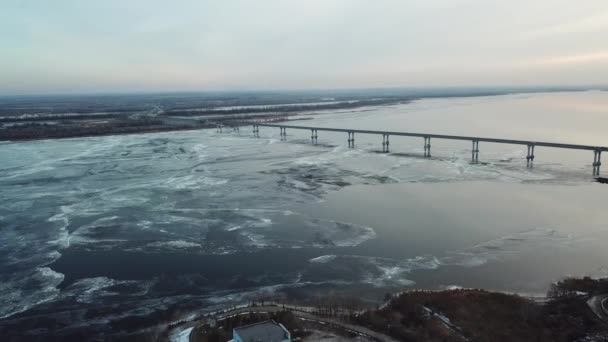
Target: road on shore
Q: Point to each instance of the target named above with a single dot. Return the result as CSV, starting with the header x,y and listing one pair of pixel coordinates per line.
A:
x,y
301,314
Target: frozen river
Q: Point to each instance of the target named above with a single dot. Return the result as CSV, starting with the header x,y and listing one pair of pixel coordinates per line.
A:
x,y
111,234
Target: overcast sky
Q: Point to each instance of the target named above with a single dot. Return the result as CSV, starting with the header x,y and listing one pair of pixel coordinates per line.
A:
x,y
152,45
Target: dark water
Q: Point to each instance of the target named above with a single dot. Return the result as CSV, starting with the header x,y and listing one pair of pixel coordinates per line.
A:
x,y
95,232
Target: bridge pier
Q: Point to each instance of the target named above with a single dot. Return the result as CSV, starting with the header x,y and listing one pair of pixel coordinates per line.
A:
x,y
475,151
530,155
597,150
314,137
385,143
427,147
597,162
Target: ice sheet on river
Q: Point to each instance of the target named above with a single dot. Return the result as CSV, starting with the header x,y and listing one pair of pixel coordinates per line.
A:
x,y
391,272
215,231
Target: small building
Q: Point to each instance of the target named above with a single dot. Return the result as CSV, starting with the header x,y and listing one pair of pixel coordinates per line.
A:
x,y
267,331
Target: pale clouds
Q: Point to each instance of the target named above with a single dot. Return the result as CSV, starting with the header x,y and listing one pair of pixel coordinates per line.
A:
x,y
596,23
582,58
113,45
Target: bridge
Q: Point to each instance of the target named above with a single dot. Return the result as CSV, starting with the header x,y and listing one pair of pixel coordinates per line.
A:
x,y
597,150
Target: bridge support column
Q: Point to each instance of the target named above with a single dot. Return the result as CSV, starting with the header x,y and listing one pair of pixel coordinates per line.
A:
x,y
427,147
475,151
314,137
351,139
385,143
530,155
597,162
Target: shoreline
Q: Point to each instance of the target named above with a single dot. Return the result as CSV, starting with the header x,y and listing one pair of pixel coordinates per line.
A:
x,y
136,122
439,313
105,134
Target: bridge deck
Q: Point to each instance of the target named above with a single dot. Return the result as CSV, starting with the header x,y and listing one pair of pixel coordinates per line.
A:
x,y
449,137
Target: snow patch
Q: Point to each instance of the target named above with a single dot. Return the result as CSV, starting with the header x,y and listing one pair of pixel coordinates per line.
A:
x,y
182,335
323,259
175,244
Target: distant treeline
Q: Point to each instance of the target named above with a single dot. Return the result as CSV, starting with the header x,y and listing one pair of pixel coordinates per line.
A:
x,y
478,315
62,128
41,110
289,108
43,131
47,117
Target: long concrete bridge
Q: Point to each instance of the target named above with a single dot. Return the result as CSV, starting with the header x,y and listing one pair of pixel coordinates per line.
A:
x,y
597,150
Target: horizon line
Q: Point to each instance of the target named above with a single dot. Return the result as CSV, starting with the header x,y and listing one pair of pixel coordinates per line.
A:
x,y
503,88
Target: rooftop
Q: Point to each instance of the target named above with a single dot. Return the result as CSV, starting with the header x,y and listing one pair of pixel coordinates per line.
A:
x,y
267,331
